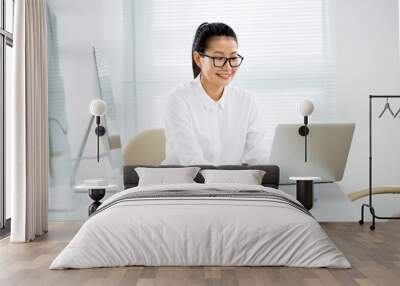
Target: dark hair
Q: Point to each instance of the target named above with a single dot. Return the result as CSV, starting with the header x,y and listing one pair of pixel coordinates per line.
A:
x,y
203,33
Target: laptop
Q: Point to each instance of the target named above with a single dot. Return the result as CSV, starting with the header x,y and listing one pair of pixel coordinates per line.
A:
x,y
328,146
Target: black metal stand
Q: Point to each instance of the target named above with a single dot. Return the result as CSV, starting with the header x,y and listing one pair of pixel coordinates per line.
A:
x,y
96,195
303,131
369,205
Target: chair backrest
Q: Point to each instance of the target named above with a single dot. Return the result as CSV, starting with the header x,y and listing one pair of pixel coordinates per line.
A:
x,y
146,148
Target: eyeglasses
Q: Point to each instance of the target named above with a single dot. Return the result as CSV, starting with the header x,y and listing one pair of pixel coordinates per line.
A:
x,y
220,62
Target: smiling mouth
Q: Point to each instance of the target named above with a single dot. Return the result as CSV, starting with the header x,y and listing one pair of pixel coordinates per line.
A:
x,y
224,76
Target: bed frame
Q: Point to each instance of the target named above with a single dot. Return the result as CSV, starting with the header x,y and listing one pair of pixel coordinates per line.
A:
x,y
270,179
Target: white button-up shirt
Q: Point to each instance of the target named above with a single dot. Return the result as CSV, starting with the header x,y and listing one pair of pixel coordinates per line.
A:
x,y
200,130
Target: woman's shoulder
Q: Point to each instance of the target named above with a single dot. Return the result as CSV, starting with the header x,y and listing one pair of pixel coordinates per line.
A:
x,y
183,88
179,95
241,94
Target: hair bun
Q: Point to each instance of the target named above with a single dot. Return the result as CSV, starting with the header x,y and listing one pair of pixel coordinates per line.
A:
x,y
202,26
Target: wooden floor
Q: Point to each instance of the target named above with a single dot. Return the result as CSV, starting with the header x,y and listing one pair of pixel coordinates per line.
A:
x,y
375,257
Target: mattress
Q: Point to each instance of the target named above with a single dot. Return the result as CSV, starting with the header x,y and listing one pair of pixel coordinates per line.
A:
x,y
201,225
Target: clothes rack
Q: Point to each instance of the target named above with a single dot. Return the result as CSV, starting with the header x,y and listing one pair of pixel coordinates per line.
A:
x,y
370,205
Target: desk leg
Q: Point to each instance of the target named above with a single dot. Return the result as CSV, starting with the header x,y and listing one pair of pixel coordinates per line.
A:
x,y
305,193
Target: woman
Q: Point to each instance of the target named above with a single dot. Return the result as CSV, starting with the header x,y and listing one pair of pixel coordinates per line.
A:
x,y
208,121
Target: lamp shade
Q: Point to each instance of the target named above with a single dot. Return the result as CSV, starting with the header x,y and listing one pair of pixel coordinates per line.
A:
x,y
98,107
306,107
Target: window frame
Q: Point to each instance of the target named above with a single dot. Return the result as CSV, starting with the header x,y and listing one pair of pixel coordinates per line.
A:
x,y
6,39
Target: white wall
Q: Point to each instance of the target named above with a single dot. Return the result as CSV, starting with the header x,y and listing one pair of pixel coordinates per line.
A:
x,y
367,38
368,63
80,26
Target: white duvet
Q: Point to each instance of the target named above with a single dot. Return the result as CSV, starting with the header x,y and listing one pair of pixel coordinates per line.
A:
x,y
199,231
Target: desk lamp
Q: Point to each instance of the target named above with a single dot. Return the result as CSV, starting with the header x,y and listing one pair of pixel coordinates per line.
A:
x,y
98,108
306,107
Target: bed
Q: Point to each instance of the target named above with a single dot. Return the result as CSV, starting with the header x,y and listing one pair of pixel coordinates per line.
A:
x,y
201,224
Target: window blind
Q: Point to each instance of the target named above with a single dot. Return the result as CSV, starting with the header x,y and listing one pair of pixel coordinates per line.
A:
x,y
288,46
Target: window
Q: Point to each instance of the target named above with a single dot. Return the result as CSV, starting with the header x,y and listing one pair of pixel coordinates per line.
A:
x,y
6,43
288,46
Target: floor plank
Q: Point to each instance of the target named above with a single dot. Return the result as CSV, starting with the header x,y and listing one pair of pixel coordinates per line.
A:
x,y
374,255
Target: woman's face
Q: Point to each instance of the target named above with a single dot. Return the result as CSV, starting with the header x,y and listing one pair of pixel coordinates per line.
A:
x,y
219,47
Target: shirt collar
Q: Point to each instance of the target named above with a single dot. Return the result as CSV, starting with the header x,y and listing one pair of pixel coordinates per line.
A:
x,y
206,99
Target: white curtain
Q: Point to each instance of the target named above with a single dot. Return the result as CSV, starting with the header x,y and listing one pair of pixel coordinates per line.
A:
x,y
28,149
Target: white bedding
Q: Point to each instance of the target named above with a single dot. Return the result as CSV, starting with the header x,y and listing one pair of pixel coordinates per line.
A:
x,y
200,231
